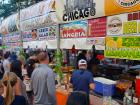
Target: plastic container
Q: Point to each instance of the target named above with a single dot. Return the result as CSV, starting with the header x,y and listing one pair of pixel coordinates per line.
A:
x,y
104,86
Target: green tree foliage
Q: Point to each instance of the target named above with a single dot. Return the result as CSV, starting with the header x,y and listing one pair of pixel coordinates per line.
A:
x,y
59,60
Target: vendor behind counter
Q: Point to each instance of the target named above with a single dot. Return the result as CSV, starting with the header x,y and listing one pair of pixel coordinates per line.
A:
x,y
82,79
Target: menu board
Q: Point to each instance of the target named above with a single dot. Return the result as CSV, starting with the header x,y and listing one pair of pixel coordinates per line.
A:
x,y
97,27
48,33
74,30
130,27
123,47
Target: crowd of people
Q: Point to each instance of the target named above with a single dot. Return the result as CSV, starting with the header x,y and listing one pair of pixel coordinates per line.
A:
x,y
29,80
26,81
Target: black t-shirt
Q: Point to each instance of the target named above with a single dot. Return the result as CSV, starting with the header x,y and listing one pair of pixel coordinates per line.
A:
x,y
16,67
30,66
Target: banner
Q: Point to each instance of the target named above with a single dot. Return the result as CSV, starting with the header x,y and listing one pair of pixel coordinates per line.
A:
x,y
123,47
31,35
39,9
6,38
10,24
39,15
38,22
12,41
48,33
4,27
97,27
113,7
13,37
12,45
74,30
72,10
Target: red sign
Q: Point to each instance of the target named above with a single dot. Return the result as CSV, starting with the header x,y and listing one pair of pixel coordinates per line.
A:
x,y
97,27
134,16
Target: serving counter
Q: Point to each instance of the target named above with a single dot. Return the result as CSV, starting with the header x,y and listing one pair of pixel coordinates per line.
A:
x,y
62,96
95,99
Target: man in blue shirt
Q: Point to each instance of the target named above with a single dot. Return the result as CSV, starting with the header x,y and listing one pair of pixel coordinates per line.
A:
x,y
82,79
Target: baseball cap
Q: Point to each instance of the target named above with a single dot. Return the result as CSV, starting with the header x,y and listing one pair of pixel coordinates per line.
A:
x,y
82,62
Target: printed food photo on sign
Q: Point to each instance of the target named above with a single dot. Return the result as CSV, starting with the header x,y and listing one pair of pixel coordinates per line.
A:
x,y
84,8
79,9
113,7
52,32
74,30
34,34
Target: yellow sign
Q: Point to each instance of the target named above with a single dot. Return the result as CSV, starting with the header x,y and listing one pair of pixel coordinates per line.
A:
x,y
113,7
123,47
130,27
139,27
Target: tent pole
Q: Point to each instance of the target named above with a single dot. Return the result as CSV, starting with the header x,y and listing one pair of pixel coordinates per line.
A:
x,y
58,37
